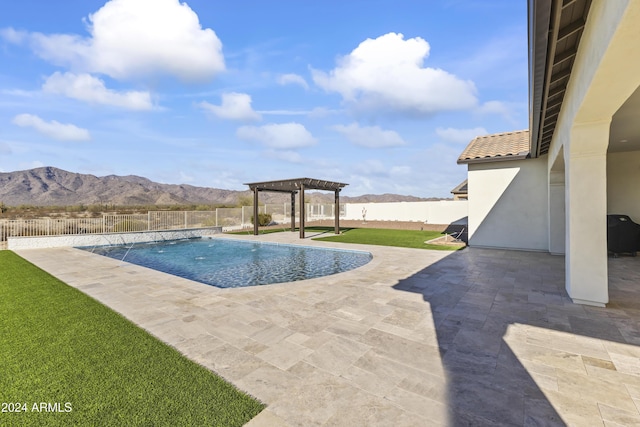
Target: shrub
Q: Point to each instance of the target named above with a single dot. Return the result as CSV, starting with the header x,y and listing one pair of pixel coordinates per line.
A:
x,y
76,208
263,219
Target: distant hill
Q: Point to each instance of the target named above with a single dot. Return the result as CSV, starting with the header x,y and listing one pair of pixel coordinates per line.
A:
x,y
49,186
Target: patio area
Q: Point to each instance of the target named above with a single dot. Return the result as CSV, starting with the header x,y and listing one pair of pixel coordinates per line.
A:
x,y
415,337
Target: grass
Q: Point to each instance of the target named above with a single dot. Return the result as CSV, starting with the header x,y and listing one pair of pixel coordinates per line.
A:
x,y
384,237
370,236
59,346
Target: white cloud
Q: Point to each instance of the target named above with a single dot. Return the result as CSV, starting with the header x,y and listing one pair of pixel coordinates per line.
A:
x,y
85,87
359,185
19,93
286,155
460,136
52,129
183,177
370,136
235,106
371,167
400,171
286,79
278,136
494,107
285,112
13,36
374,167
315,113
387,73
322,112
513,112
137,38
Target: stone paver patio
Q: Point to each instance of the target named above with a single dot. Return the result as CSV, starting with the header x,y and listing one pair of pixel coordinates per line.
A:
x,y
415,337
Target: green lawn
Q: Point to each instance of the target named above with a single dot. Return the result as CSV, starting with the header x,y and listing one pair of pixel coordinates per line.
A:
x,y
61,347
383,237
369,236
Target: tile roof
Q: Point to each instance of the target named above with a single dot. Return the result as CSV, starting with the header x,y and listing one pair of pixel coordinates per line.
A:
x,y
499,146
461,188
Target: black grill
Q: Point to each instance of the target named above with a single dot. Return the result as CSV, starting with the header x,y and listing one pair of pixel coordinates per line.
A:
x,y
623,235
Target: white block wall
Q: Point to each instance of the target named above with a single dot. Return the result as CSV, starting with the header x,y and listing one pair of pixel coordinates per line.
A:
x,y
431,212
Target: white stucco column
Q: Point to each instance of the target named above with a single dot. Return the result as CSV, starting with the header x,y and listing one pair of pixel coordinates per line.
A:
x,y
586,213
557,216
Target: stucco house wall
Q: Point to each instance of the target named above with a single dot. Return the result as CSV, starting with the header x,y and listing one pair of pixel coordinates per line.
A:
x,y
508,204
558,200
605,73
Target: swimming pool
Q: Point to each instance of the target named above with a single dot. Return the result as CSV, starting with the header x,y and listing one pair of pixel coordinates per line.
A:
x,y
229,263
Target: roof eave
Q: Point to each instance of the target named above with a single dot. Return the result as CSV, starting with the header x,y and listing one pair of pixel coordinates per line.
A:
x,y
539,17
555,30
494,159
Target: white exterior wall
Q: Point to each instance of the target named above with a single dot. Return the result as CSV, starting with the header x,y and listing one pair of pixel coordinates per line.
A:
x,y
508,204
623,191
431,212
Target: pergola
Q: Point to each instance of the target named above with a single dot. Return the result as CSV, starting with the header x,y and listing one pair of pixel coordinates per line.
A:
x,y
293,186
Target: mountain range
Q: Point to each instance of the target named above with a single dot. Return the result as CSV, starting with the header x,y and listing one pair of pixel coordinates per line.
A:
x,y
49,186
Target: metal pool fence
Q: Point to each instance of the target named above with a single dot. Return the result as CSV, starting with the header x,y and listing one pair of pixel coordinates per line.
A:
x,y
227,218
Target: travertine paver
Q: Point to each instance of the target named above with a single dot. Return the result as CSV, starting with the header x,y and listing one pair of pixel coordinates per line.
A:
x,y
476,337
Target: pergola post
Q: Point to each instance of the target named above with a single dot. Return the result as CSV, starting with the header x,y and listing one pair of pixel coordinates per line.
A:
x,y
255,211
293,211
336,212
302,211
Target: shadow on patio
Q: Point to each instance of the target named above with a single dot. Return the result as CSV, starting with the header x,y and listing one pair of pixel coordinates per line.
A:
x,y
516,351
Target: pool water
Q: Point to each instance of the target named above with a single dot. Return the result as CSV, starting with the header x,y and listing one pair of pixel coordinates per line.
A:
x,y
228,263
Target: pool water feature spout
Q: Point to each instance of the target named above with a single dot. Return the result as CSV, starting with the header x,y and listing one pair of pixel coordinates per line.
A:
x,y
127,252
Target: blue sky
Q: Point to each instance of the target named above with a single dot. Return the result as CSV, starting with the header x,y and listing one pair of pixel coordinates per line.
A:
x,y
378,94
